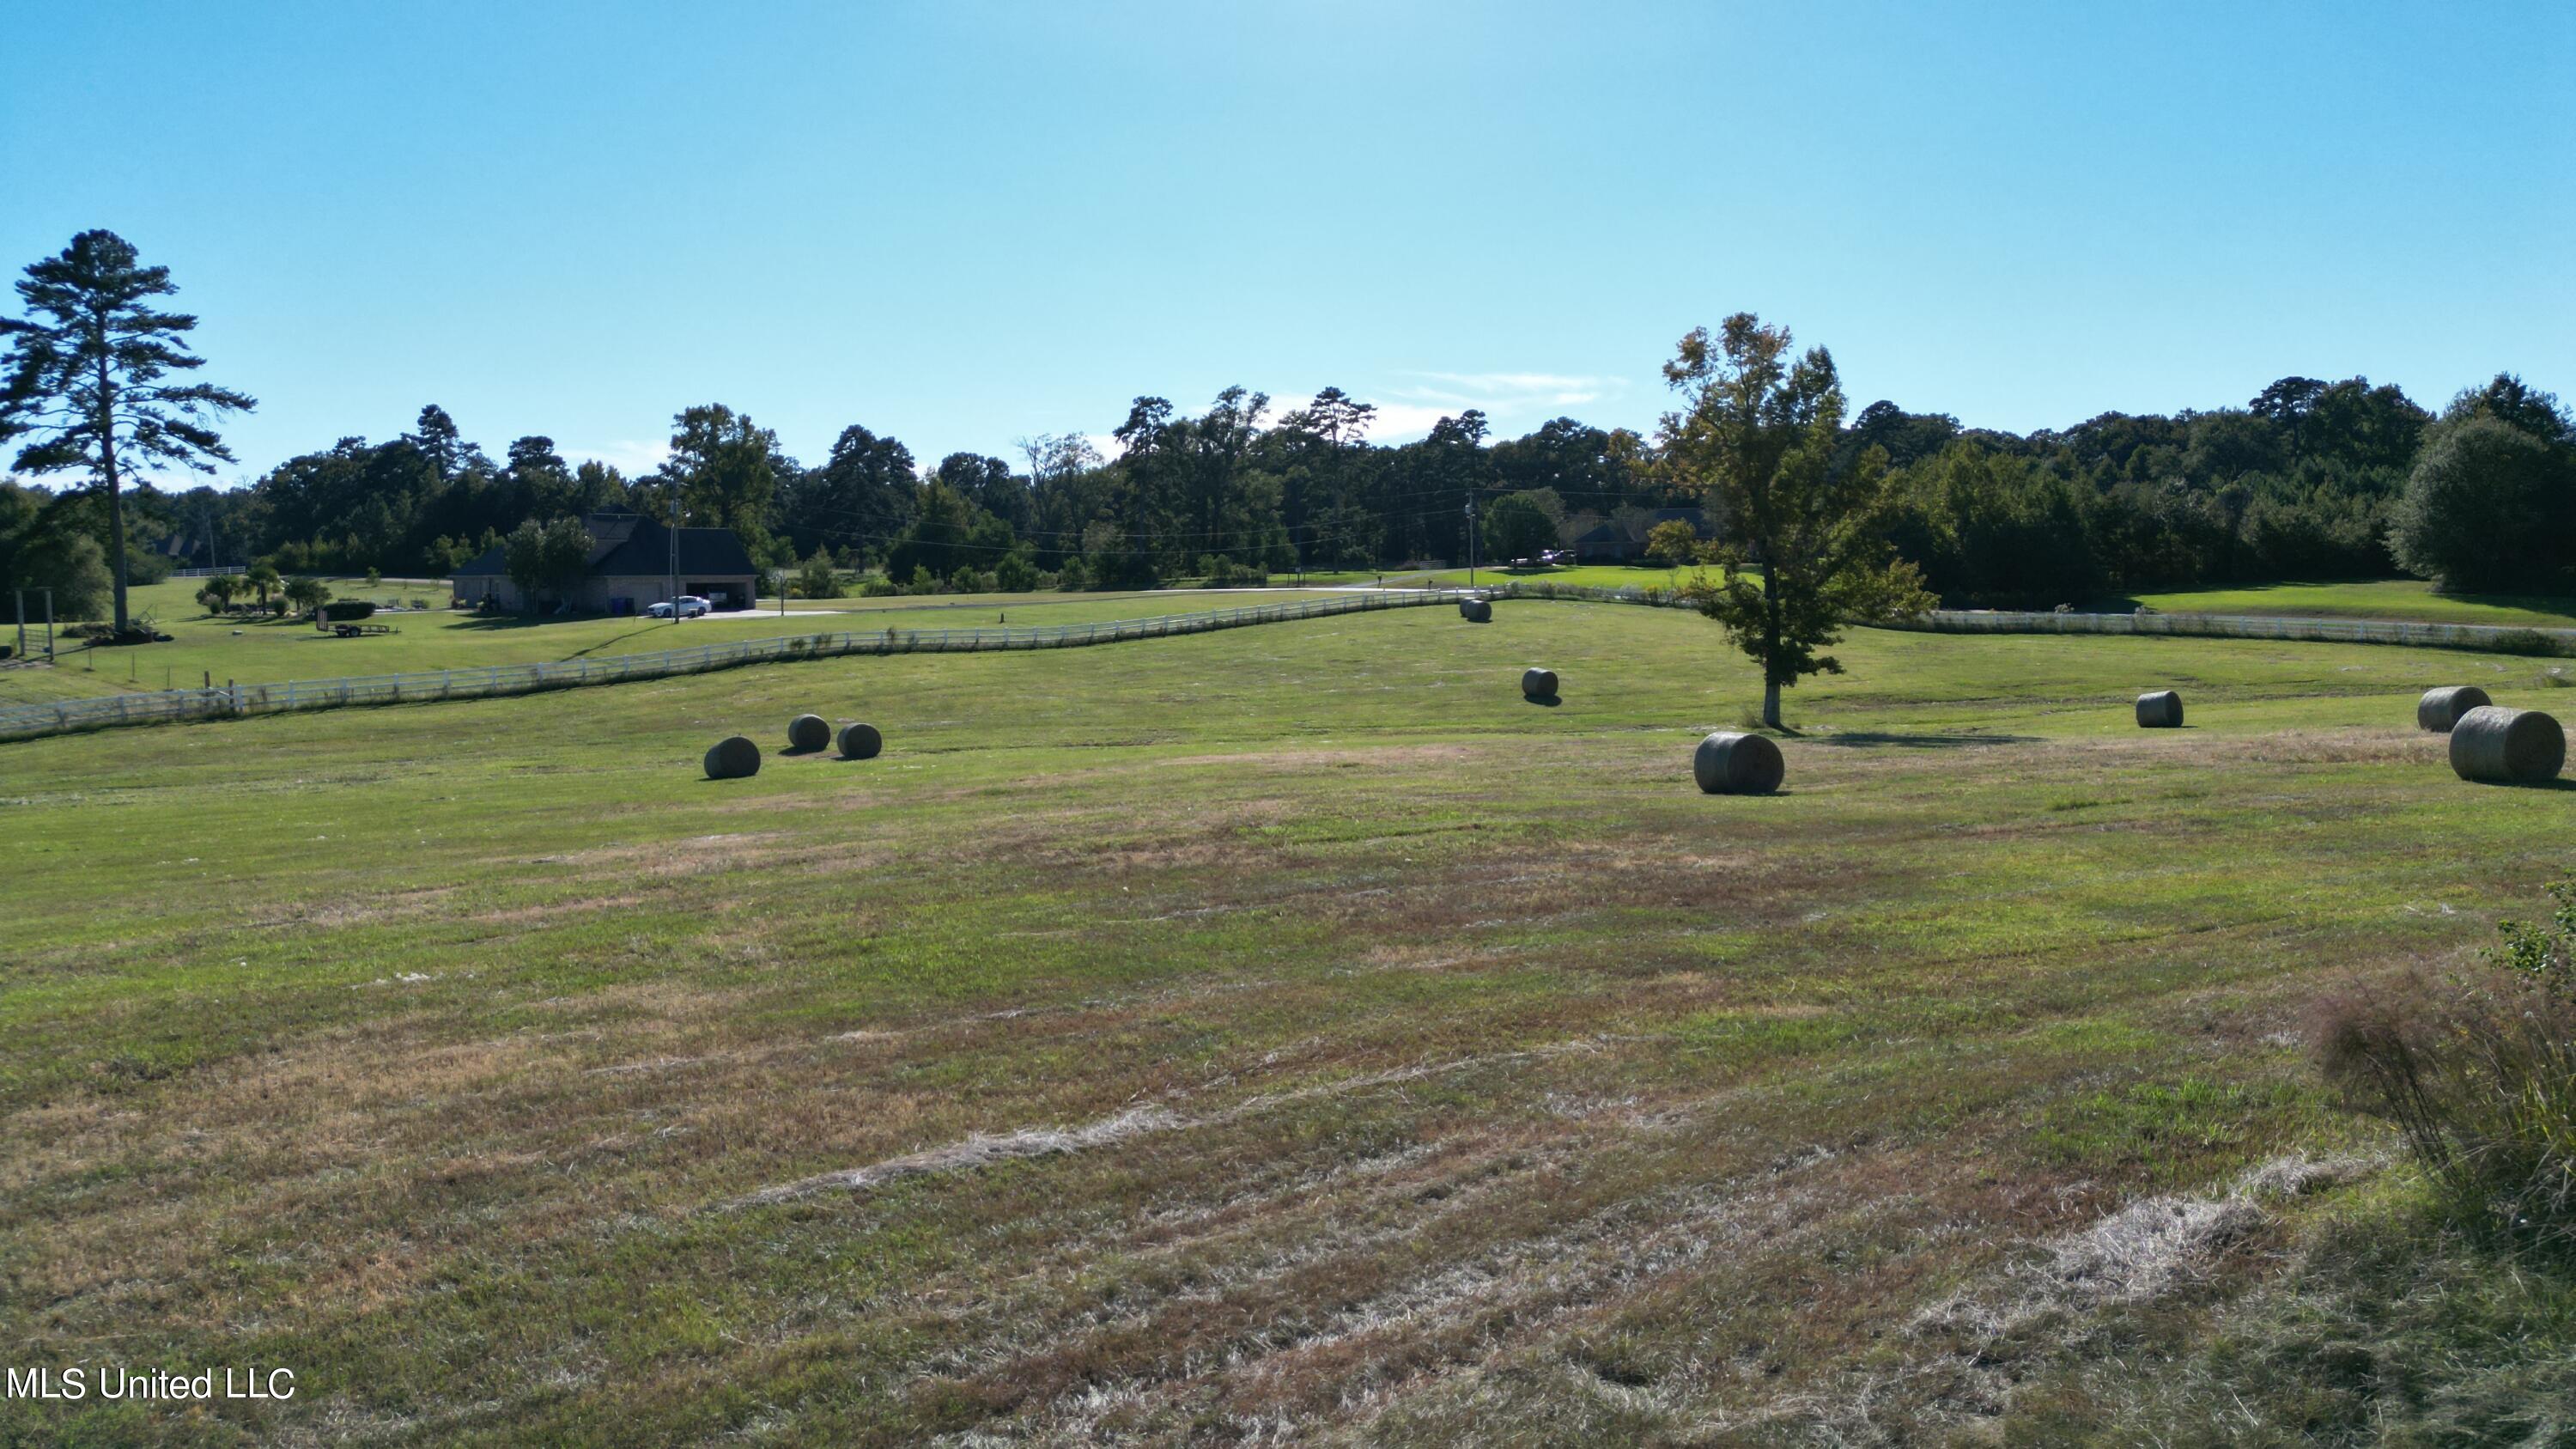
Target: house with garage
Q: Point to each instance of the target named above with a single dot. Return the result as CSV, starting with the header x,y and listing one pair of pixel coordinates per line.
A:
x,y
1623,540
635,562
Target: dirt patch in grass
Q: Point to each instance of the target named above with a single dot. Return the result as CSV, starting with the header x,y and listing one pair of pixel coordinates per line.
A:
x,y
361,910
2351,745
696,855
554,910
982,1149
979,1150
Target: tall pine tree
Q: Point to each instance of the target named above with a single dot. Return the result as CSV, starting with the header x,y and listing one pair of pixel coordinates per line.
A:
x,y
85,377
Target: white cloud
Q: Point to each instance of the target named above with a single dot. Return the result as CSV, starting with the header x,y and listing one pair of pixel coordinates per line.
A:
x,y
1511,399
1395,420
1525,382
627,456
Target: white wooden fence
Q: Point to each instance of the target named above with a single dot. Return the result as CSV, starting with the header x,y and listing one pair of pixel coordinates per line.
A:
x,y
2239,626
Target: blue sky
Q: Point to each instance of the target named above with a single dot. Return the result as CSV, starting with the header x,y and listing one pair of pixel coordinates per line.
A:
x,y
964,222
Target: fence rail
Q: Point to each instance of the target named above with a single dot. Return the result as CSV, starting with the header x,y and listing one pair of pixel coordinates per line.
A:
x,y
29,721
2239,626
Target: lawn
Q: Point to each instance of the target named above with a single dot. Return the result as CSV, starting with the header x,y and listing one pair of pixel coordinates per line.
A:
x,y
1590,576
264,651
2377,599
1194,1038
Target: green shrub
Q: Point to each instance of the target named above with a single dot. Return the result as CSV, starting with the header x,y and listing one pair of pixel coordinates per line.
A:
x,y
1225,573
2524,641
878,587
1015,574
342,611
2479,1074
1074,577
817,579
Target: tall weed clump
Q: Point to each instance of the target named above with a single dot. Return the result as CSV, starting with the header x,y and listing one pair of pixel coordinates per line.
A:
x,y
2479,1073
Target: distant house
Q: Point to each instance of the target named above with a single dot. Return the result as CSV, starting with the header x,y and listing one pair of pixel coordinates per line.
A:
x,y
184,550
632,567
1610,543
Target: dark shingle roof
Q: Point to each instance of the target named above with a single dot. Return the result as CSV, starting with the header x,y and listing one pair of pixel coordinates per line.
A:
x,y
630,544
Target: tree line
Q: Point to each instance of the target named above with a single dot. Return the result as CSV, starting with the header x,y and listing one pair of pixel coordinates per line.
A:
x,y
2310,478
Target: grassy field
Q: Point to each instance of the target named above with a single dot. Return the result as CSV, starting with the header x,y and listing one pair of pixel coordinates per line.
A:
x,y
273,650
276,649
1590,576
1286,1028
2379,599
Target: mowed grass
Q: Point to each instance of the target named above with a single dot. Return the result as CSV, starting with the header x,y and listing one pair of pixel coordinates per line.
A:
x,y
268,650
1590,576
2413,599
1289,1027
2377,599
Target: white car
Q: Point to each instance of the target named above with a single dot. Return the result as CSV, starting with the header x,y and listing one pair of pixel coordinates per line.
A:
x,y
687,606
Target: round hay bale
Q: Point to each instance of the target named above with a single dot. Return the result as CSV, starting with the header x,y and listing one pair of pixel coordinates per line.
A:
x,y
1539,683
1733,764
1475,611
860,742
733,759
2161,710
808,732
2507,746
2440,709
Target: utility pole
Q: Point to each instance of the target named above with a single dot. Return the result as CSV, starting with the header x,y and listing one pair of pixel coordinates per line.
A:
x,y
673,592
1471,542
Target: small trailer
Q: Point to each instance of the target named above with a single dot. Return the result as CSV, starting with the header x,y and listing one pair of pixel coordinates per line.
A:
x,y
353,631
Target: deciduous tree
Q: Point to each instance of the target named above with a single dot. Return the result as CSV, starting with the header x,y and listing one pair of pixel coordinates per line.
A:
x,y
726,471
307,594
1518,526
1672,543
2490,506
541,558
1756,438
